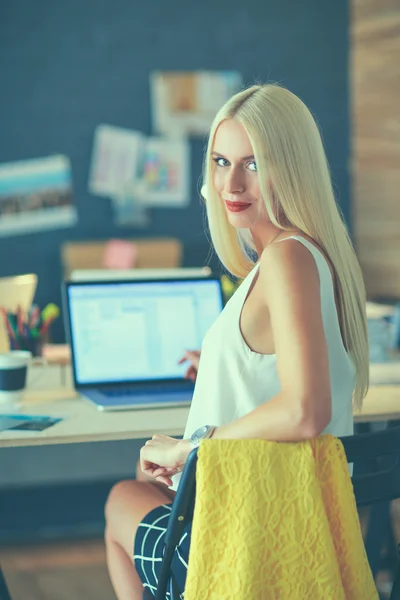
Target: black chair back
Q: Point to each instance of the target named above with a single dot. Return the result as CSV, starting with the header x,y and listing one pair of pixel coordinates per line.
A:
x,y
181,514
382,450
381,483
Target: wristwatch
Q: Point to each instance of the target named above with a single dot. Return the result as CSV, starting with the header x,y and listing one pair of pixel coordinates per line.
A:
x,y
202,433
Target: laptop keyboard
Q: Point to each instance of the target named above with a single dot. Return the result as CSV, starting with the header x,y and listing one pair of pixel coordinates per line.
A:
x,y
140,389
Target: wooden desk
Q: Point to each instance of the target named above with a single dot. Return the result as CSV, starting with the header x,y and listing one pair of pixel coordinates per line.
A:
x,y
84,423
382,403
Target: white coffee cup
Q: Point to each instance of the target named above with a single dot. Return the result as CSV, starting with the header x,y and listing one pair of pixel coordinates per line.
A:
x,y
13,374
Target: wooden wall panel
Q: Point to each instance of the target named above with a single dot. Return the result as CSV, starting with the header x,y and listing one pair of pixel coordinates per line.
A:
x,y
375,85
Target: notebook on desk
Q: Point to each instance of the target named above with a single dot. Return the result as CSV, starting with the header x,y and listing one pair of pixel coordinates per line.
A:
x,y
126,338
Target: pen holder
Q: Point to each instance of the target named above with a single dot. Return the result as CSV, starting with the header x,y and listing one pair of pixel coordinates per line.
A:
x,y
29,331
29,344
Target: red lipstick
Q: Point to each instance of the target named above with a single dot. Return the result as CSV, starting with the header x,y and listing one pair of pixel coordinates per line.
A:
x,y
236,206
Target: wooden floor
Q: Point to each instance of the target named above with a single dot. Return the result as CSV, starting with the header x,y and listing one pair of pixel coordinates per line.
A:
x,y
70,571
77,570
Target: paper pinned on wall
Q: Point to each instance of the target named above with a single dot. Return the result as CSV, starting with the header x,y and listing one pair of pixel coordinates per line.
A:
x,y
185,103
115,159
164,179
36,195
127,211
137,172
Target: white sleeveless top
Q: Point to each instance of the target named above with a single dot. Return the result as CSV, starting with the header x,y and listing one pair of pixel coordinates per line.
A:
x,y
233,380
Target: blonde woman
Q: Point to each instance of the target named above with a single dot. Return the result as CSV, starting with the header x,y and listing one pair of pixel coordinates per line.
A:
x,y
288,356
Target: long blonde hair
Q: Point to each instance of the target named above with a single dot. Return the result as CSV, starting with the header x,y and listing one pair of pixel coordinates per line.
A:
x,y
289,153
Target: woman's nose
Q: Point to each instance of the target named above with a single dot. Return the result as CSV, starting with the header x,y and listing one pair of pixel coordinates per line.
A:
x,y
234,182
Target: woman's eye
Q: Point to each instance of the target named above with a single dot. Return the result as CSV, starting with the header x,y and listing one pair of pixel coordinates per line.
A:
x,y
221,162
252,166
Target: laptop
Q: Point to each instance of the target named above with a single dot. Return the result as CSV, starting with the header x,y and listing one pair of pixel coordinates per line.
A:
x,y
105,274
127,336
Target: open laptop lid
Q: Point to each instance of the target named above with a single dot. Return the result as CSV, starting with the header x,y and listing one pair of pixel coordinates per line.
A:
x,y
120,274
135,331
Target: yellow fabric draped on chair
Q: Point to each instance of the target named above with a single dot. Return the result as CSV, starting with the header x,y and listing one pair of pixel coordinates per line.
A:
x,y
276,521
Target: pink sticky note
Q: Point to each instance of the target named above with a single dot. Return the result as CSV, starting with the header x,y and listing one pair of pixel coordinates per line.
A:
x,y
120,254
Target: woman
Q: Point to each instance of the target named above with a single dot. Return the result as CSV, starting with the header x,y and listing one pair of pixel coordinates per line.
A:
x,y
289,353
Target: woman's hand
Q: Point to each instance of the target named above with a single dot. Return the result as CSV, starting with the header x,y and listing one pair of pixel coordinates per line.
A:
x,y
163,456
193,356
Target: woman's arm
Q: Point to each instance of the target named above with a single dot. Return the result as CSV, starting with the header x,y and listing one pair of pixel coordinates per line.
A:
x,y
289,280
290,283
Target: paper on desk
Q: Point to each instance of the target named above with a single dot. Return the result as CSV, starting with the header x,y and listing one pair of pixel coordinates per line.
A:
x,y
26,422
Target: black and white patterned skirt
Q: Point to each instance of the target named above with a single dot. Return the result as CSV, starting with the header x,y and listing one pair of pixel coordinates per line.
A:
x,y
149,549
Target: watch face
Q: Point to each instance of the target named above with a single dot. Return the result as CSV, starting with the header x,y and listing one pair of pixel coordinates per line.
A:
x,y
199,433
202,431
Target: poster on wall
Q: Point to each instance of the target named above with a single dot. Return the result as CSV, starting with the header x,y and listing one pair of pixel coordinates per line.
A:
x,y
164,177
185,103
36,195
138,172
115,159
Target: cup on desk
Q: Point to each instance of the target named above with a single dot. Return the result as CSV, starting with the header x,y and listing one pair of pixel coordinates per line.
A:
x,y
13,371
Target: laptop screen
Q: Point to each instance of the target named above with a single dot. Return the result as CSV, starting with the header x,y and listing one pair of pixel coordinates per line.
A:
x,y
135,331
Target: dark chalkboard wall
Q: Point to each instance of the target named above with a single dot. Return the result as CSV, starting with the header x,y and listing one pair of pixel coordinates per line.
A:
x,y
67,66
